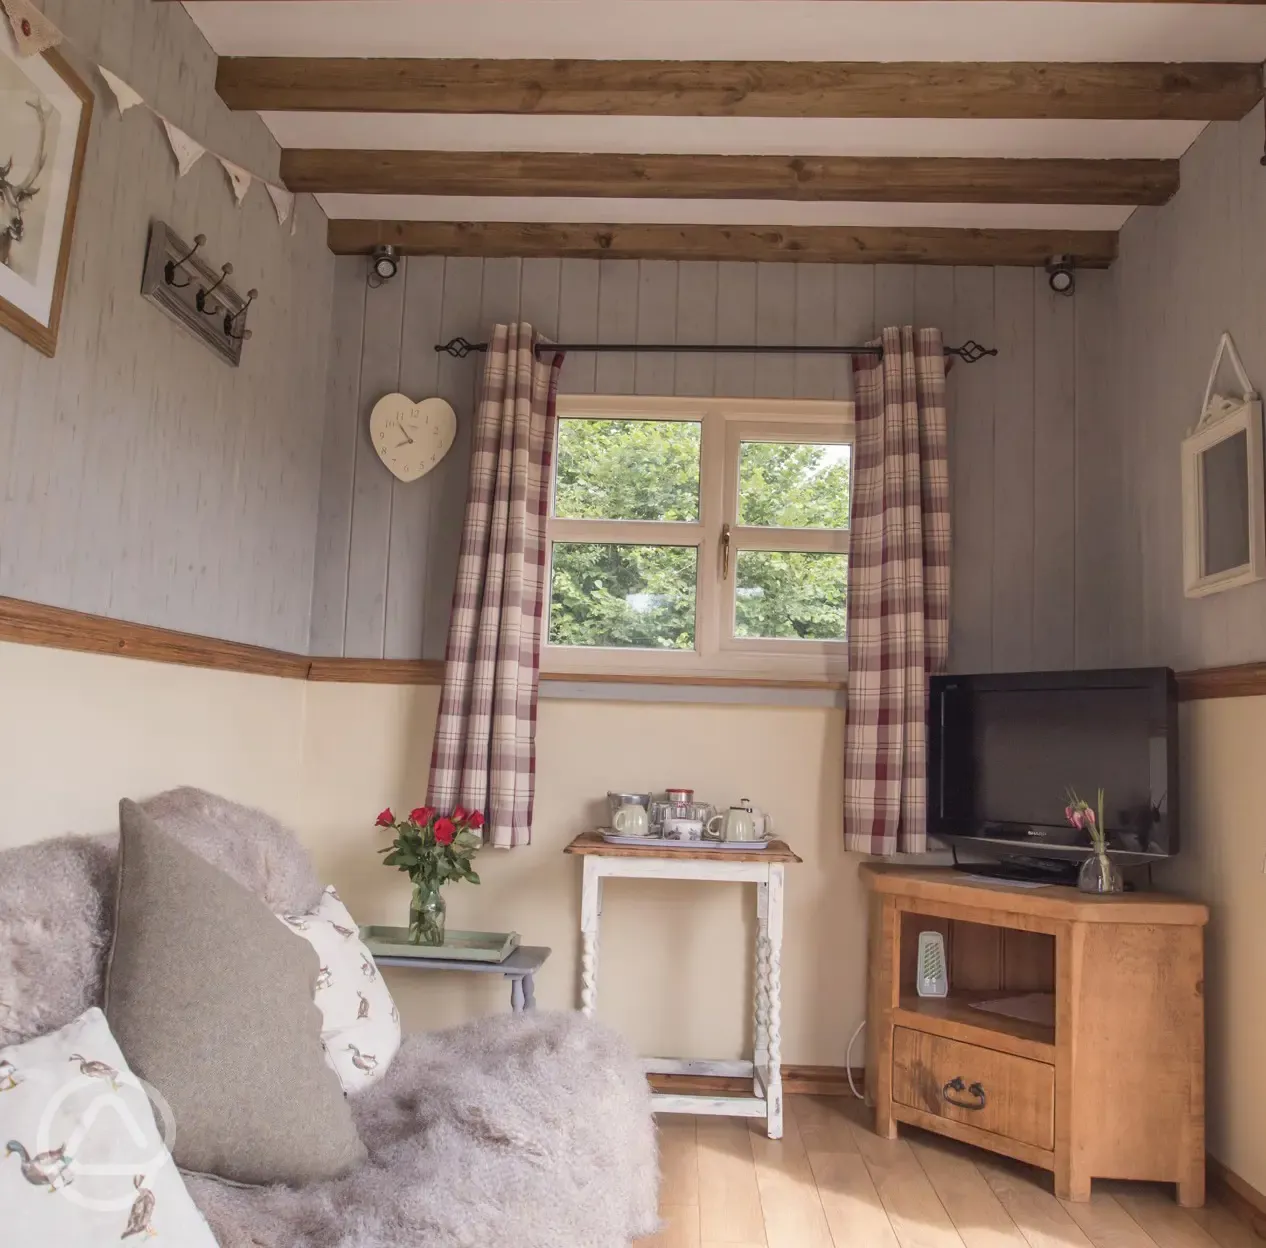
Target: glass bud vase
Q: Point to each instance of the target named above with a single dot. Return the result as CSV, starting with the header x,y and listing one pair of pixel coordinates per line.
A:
x,y
426,914
1099,874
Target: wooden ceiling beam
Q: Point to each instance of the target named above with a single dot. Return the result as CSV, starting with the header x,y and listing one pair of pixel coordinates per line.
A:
x,y
804,178
1094,249
1007,89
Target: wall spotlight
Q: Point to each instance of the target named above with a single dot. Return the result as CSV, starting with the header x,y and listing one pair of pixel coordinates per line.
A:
x,y
1060,274
384,262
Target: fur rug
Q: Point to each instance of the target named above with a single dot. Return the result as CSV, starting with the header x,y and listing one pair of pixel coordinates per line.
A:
x,y
529,1131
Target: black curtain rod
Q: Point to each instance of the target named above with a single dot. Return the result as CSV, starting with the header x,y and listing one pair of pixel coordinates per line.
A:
x,y
459,349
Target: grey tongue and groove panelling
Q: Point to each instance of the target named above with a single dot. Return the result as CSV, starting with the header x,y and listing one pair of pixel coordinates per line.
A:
x,y
1025,542
140,476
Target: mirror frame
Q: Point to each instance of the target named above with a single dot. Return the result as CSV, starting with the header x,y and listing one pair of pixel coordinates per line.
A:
x,y
1223,417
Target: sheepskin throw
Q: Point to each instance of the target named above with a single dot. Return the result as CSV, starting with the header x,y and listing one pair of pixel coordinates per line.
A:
x,y
525,1130
522,1131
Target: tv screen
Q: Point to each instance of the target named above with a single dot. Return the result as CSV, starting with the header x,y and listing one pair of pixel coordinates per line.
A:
x,y
1004,750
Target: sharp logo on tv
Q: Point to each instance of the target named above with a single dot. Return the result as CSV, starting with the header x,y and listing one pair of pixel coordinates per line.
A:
x,y
1041,833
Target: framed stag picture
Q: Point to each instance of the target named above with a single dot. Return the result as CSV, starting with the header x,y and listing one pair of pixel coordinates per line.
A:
x,y
45,112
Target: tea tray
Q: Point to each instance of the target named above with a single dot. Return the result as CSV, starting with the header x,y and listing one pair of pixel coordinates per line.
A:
x,y
668,842
394,942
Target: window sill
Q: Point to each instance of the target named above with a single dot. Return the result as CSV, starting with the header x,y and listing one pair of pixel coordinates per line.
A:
x,y
738,681
680,689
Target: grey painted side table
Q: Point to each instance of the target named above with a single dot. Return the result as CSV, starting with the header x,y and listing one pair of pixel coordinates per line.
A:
x,y
519,968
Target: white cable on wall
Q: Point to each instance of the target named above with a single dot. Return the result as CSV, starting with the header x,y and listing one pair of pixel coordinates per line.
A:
x,y
848,1060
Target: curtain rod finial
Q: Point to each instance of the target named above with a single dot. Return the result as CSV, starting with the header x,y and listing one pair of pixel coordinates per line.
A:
x,y
971,351
460,348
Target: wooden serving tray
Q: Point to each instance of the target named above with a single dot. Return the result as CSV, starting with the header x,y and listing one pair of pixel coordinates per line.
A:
x,y
394,942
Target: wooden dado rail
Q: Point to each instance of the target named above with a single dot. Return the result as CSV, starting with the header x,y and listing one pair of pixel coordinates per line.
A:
x,y
33,624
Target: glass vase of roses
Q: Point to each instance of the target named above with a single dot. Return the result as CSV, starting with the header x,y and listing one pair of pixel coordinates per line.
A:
x,y
433,849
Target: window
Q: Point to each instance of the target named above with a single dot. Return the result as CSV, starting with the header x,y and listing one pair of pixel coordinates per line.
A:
x,y
699,536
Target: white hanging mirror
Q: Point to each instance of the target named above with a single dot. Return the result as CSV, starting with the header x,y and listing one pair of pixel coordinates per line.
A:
x,y
1222,503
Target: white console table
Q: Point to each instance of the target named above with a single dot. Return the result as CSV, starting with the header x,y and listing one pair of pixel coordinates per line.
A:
x,y
654,861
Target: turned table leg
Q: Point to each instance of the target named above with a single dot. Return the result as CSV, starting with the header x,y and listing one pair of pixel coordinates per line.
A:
x,y
760,1057
590,913
773,989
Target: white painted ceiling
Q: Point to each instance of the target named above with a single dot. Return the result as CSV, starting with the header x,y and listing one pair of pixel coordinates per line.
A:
x,y
879,30
773,30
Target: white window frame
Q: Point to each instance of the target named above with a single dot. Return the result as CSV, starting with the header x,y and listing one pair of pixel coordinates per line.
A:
x,y
724,424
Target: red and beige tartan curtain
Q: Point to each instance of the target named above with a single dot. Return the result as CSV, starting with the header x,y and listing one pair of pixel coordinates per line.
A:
x,y
899,589
485,741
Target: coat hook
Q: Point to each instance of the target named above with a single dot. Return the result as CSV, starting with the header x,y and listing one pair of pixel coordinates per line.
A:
x,y
201,300
169,269
230,319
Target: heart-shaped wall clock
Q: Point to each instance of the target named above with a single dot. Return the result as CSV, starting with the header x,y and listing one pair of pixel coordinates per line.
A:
x,y
411,438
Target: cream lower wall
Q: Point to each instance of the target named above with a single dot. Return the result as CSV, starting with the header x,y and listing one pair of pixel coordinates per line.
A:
x,y
1221,863
675,963
78,731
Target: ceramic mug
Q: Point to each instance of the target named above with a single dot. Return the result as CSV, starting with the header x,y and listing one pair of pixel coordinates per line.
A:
x,y
631,820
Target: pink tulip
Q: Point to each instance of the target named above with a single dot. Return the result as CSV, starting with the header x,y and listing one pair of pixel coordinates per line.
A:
x,y
1090,816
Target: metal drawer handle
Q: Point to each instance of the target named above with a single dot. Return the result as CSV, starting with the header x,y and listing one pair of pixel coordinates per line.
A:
x,y
957,1085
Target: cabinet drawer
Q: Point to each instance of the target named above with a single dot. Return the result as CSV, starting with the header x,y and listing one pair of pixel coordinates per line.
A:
x,y
1001,1093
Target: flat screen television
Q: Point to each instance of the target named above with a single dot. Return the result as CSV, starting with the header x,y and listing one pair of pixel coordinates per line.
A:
x,y
1003,751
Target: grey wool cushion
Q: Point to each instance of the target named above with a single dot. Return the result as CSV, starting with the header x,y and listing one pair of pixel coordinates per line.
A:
x,y
211,1000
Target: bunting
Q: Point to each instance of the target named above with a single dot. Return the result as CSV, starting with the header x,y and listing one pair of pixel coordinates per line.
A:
x,y
283,202
124,96
32,31
239,179
186,150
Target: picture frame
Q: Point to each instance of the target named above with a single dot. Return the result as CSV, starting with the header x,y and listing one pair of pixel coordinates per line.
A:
x,y
45,119
1223,489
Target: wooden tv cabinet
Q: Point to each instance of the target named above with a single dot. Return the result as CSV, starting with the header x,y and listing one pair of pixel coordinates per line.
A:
x,y
1110,1085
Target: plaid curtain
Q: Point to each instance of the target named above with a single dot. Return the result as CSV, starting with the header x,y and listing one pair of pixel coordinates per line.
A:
x,y
898,608
485,741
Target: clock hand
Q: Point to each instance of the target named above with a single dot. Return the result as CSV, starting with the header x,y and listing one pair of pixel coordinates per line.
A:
x,y
407,439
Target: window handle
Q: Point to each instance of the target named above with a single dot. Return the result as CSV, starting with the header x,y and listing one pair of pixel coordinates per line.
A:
x,y
725,552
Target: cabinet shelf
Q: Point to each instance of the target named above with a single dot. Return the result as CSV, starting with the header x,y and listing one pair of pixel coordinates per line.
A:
x,y
954,1018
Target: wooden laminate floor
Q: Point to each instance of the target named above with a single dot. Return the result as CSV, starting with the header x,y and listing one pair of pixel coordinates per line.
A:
x,y
831,1183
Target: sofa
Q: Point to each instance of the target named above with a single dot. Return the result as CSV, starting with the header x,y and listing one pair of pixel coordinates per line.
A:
x,y
532,1130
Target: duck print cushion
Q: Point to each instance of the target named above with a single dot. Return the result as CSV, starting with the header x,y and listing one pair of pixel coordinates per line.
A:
x,y
361,1025
85,1162
211,1000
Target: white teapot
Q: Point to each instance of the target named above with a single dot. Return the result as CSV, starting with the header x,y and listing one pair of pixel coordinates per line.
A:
x,y
737,823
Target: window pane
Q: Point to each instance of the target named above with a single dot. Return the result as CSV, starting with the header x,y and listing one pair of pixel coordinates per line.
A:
x,y
790,594
627,470
794,485
608,595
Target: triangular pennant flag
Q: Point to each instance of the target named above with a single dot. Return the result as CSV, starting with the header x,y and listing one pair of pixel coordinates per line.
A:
x,y
32,31
185,149
283,201
239,179
124,96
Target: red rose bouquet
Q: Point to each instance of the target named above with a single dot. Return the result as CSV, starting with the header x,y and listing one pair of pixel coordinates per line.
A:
x,y
433,849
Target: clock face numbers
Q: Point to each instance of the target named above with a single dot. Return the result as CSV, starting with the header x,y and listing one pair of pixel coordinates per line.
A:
x,y
411,438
